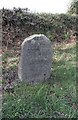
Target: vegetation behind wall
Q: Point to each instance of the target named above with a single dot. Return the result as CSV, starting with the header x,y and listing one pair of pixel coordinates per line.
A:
x,y
19,23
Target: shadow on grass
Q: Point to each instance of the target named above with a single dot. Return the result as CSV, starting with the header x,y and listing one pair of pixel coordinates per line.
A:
x,y
63,71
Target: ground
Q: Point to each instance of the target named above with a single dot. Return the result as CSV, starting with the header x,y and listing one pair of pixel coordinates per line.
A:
x,y
55,98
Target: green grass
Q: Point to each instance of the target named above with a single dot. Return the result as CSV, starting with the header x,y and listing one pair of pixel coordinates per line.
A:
x,y
55,98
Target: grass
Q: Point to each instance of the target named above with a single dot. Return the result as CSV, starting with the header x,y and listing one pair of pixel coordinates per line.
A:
x,y
55,98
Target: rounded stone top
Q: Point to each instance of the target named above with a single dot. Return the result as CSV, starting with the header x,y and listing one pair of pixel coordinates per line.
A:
x,y
35,37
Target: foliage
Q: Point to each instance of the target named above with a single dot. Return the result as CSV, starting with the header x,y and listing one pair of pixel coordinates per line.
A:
x,y
73,9
17,25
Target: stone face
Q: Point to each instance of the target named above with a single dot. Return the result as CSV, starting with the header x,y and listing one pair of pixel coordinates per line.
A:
x,y
36,59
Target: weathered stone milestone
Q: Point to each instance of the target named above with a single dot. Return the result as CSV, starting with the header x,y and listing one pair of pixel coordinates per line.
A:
x,y
36,59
